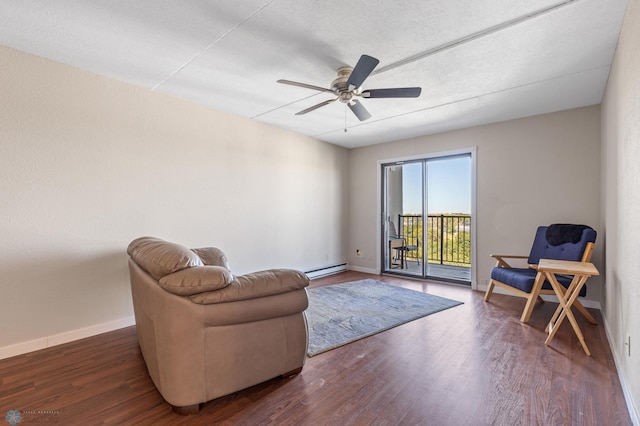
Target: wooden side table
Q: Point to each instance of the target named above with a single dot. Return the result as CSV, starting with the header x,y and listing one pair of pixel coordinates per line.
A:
x,y
581,271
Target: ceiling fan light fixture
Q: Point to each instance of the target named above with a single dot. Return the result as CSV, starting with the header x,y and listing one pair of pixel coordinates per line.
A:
x,y
346,97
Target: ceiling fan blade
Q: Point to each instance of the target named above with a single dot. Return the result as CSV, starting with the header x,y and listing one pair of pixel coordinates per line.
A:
x,y
361,71
311,108
398,92
306,86
359,110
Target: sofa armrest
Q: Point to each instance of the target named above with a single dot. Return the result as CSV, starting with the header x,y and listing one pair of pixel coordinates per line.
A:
x,y
255,285
198,279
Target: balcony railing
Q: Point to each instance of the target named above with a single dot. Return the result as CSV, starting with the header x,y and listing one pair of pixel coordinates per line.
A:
x,y
448,238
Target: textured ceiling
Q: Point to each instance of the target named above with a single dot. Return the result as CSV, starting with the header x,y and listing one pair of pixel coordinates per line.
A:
x,y
477,61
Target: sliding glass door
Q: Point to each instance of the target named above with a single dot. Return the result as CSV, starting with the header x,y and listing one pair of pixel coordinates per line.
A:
x,y
403,207
427,217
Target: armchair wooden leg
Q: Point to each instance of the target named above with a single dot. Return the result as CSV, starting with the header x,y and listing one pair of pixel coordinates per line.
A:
x,y
528,308
487,294
533,297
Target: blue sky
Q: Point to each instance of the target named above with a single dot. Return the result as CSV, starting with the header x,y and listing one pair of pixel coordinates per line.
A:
x,y
449,186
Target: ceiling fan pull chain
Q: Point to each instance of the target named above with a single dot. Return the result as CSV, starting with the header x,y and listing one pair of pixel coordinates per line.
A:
x,y
345,118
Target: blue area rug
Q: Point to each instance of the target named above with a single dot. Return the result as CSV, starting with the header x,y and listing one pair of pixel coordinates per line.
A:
x,y
343,313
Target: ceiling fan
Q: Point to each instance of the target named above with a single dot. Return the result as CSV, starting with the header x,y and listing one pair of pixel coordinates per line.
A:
x,y
347,87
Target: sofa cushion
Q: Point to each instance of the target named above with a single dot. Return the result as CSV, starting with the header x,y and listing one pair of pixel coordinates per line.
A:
x,y
160,258
198,279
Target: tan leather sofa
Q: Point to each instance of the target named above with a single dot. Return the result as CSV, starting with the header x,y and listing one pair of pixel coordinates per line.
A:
x,y
205,333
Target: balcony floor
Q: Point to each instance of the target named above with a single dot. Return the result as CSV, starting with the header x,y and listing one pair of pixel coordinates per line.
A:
x,y
435,270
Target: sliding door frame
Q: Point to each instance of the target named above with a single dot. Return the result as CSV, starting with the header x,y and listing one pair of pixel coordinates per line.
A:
x,y
380,213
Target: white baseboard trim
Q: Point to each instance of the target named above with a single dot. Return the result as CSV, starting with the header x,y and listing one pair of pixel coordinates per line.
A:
x,y
326,270
66,337
633,410
363,269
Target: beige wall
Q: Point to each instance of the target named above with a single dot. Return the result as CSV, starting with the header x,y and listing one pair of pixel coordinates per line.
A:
x,y
621,200
87,164
530,172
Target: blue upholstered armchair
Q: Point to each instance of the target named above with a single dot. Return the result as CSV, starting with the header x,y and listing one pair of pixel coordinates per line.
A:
x,y
559,242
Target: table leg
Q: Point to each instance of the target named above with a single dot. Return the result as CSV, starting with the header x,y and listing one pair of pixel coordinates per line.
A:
x,y
561,293
566,299
576,304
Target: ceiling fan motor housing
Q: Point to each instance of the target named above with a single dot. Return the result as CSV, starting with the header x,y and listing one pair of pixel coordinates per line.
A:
x,y
339,85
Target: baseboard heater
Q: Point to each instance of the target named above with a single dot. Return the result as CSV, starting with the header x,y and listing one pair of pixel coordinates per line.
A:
x,y
326,270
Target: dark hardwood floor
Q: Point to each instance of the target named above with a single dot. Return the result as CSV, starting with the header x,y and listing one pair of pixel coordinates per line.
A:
x,y
474,364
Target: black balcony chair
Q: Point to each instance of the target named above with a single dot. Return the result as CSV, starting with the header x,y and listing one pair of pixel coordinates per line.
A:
x,y
404,249
559,242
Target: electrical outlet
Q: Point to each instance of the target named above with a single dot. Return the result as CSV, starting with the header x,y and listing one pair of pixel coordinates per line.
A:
x,y
627,344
